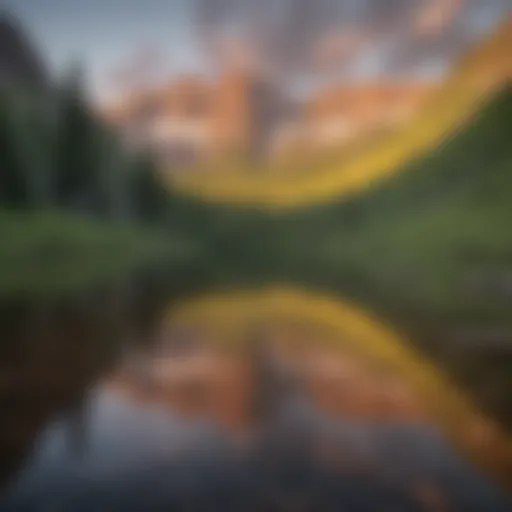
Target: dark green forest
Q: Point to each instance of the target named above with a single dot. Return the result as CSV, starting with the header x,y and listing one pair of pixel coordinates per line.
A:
x,y
57,154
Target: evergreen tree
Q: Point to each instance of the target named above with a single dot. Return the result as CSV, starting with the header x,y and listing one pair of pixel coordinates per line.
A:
x,y
13,189
76,173
150,196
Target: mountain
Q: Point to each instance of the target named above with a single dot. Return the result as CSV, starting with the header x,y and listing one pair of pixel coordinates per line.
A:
x,y
484,70
20,63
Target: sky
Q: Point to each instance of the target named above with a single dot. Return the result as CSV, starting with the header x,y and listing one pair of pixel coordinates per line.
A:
x,y
302,41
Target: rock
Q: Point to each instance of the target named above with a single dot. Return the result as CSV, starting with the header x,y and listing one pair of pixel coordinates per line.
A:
x,y
19,61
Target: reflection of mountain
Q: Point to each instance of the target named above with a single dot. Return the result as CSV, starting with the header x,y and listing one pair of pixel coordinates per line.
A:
x,y
200,384
247,387
364,372
452,108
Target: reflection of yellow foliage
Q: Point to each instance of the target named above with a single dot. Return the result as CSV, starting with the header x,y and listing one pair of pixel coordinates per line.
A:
x,y
479,437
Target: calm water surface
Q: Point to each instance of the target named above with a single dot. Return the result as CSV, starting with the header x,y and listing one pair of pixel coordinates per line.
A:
x,y
277,402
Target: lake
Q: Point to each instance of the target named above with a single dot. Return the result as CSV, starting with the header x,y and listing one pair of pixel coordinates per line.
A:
x,y
278,397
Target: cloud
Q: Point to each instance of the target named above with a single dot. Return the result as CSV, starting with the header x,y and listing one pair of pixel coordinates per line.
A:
x,y
296,37
338,45
142,68
282,33
440,32
436,16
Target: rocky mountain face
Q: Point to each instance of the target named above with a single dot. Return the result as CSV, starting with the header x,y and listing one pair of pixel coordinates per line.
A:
x,y
19,62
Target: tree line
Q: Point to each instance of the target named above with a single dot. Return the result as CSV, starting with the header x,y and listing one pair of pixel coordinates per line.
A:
x,y
56,153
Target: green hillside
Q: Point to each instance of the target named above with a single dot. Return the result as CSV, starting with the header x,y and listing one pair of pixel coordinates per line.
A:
x,y
450,209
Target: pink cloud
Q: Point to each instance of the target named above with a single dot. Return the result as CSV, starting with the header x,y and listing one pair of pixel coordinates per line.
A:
x,y
143,67
338,47
436,16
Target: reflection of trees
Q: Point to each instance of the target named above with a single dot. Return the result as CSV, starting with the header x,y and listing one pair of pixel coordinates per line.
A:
x,y
77,419
270,384
52,351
